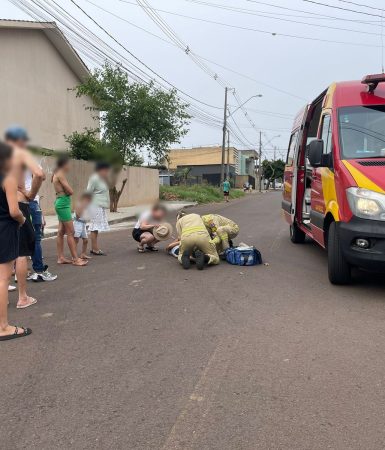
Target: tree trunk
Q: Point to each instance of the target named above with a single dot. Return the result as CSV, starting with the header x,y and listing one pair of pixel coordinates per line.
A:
x,y
115,195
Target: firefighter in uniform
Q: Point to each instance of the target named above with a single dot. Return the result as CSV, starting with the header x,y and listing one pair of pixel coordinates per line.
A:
x,y
195,242
221,230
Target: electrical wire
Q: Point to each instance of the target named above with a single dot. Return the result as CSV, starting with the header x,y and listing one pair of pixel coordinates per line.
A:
x,y
263,15
197,113
341,8
257,30
316,15
200,56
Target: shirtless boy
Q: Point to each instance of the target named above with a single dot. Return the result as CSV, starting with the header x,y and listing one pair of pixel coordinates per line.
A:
x,y
22,161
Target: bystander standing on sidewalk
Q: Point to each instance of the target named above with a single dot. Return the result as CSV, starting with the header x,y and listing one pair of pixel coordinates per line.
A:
x,y
40,269
98,187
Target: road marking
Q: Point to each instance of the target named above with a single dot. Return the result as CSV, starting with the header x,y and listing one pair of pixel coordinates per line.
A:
x,y
192,417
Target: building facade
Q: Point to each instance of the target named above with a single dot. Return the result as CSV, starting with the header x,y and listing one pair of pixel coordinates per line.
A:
x,y
39,70
205,164
201,156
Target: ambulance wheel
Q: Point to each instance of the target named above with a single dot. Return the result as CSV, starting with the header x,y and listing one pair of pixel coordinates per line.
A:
x,y
340,271
297,236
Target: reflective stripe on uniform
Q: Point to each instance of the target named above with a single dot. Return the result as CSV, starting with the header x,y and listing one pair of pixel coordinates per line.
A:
x,y
190,230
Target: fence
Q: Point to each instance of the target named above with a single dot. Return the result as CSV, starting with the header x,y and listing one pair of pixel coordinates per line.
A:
x,y
142,186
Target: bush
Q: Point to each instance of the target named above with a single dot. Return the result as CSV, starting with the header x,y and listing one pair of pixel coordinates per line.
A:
x,y
197,193
88,147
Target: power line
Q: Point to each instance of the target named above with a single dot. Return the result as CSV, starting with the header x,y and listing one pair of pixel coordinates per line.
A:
x,y
361,5
257,30
263,15
135,57
200,56
316,15
341,8
157,19
79,32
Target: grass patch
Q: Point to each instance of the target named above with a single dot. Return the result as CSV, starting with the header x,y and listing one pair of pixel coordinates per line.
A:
x,y
197,193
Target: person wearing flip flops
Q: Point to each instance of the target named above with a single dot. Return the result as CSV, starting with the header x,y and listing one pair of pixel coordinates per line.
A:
x,y
148,221
11,220
64,192
98,187
195,241
22,162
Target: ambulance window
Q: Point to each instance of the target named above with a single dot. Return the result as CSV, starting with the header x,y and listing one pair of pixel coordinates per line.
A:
x,y
326,135
292,149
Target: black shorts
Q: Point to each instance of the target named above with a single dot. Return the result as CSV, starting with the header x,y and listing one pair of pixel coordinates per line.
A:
x,y
9,240
137,233
27,232
226,194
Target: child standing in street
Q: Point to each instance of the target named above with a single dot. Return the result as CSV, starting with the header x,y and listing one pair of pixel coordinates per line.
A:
x,y
80,217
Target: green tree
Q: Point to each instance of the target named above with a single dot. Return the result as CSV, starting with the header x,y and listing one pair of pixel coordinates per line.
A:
x,y
133,118
272,170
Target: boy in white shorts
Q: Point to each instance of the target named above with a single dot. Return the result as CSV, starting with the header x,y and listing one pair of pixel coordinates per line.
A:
x,y
80,218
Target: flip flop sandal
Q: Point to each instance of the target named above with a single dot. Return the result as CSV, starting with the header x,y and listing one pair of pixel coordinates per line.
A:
x,y
98,253
16,334
152,249
32,302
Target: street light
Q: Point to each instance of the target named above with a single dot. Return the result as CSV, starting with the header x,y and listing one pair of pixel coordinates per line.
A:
x,y
226,115
244,103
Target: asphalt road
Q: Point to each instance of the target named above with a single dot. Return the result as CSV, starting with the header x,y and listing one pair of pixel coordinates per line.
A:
x,y
132,352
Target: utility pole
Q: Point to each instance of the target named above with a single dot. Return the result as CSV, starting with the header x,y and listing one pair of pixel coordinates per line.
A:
x,y
260,163
224,138
228,155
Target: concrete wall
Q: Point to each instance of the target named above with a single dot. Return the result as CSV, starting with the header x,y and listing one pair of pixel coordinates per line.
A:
x,y
34,89
142,186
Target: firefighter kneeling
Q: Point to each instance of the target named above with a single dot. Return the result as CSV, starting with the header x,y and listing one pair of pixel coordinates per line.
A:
x,y
195,242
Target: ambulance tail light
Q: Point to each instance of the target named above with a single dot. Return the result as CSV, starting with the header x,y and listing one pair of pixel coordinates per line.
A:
x,y
372,81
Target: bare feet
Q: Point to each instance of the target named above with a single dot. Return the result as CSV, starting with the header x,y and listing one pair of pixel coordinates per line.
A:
x,y
25,302
84,256
64,260
79,262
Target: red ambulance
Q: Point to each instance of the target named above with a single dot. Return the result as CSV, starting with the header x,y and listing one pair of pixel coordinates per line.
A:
x,y
334,182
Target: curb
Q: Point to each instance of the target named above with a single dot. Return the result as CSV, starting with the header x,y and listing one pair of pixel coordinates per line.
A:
x,y
53,233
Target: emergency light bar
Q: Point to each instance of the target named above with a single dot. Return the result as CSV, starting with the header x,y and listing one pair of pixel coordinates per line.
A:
x,y
373,81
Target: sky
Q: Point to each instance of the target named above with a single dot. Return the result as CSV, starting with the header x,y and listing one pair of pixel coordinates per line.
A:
x,y
288,51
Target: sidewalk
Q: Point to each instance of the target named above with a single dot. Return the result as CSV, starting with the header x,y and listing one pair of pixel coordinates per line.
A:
x,y
127,214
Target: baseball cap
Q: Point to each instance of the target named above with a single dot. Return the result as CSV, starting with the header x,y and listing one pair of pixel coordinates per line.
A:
x,y
16,133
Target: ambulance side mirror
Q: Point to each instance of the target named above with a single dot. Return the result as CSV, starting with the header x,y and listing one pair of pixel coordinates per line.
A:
x,y
315,152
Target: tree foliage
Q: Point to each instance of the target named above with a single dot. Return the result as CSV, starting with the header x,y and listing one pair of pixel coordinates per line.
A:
x,y
273,170
134,116
87,146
